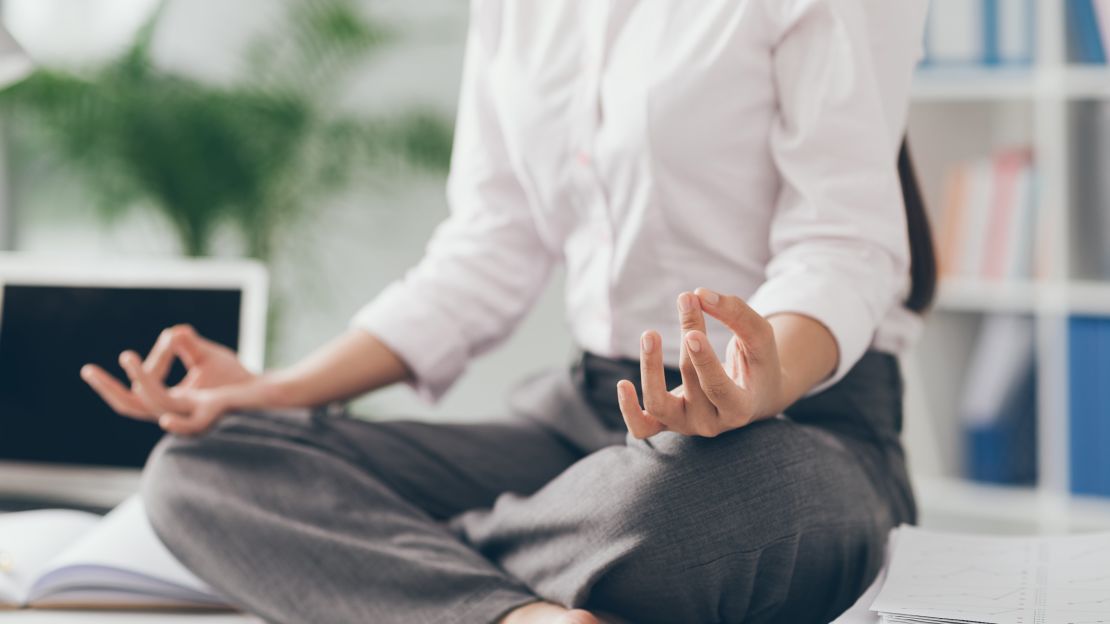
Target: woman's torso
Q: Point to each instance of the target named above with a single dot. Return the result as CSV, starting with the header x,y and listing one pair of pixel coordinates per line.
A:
x,y
640,129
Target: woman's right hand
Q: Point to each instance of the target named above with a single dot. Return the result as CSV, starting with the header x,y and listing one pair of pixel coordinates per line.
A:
x,y
215,382
352,364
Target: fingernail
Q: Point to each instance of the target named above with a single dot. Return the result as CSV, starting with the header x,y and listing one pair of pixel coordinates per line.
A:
x,y
646,343
164,421
693,343
86,372
710,297
684,303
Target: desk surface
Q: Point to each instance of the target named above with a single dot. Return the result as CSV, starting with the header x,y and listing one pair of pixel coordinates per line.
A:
x,y
33,616
855,616
858,614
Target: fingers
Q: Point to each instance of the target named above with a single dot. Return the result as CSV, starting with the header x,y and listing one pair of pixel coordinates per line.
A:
x,y
160,358
192,424
748,325
195,378
188,345
640,424
689,313
208,406
180,341
659,403
691,319
150,390
115,394
183,425
718,387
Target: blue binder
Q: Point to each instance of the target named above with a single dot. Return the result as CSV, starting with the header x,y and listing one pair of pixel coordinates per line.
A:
x,y
999,403
1089,398
1005,450
1085,43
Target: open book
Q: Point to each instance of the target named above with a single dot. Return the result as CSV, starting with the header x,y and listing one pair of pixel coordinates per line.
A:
x,y
72,559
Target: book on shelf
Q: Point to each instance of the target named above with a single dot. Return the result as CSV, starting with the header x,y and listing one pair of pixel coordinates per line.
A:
x,y
998,406
71,559
1090,139
949,578
989,218
1102,14
1087,26
979,33
1089,404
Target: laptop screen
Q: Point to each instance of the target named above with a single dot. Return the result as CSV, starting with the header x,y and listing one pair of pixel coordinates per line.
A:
x,y
47,333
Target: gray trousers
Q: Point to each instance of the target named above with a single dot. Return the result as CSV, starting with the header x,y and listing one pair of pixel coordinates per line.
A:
x,y
331,519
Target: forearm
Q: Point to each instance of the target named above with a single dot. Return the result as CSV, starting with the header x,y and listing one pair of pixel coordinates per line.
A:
x,y
807,353
352,364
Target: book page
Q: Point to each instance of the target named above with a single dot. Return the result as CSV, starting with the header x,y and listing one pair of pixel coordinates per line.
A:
x,y
938,577
29,540
121,555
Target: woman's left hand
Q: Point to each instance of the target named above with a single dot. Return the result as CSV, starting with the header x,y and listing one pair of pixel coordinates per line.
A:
x,y
714,397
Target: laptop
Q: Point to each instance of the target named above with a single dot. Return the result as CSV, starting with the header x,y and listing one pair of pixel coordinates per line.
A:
x,y
58,441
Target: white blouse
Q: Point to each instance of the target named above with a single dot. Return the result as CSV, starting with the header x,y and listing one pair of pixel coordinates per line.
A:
x,y
655,146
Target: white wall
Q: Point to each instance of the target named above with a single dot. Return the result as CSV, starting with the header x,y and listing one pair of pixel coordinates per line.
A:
x,y
347,250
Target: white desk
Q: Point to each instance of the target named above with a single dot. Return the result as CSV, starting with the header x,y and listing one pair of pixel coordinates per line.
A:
x,y
859,613
118,617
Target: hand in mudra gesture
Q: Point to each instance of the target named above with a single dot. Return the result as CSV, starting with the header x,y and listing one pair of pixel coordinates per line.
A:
x,y
187,408
715,396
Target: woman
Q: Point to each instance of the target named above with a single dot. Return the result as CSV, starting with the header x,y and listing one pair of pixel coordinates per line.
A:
x,y
735,154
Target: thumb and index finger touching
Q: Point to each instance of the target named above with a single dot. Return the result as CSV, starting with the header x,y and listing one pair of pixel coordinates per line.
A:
x,y
749,326
180,341
184,342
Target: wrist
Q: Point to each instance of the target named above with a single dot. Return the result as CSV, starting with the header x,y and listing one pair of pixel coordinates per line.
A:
x,y
783,396
276,389
807,355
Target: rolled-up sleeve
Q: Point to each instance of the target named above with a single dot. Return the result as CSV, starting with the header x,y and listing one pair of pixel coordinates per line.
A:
x,y
839,248
485,265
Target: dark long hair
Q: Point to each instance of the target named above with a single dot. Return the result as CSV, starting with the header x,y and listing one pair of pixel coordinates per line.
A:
x,y
923,258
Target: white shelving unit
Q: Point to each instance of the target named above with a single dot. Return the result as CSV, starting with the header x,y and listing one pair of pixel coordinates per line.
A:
x,y
973,85
964,113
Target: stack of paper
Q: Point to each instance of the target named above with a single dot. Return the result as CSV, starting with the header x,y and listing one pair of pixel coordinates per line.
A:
x,y
937,578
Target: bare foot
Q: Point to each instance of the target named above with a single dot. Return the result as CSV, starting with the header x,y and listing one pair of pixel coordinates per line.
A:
x,y
547,613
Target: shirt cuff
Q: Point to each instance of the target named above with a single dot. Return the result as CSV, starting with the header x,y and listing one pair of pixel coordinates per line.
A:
x,y
421,335
844,313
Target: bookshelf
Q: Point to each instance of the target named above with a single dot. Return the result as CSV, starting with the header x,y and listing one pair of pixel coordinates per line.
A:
x,y
1088,297
972,84
967,112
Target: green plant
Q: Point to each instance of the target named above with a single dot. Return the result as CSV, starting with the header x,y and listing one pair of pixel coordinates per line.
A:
x,y
255,154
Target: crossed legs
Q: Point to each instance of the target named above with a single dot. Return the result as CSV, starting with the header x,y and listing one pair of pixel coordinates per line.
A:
x,y
299,519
